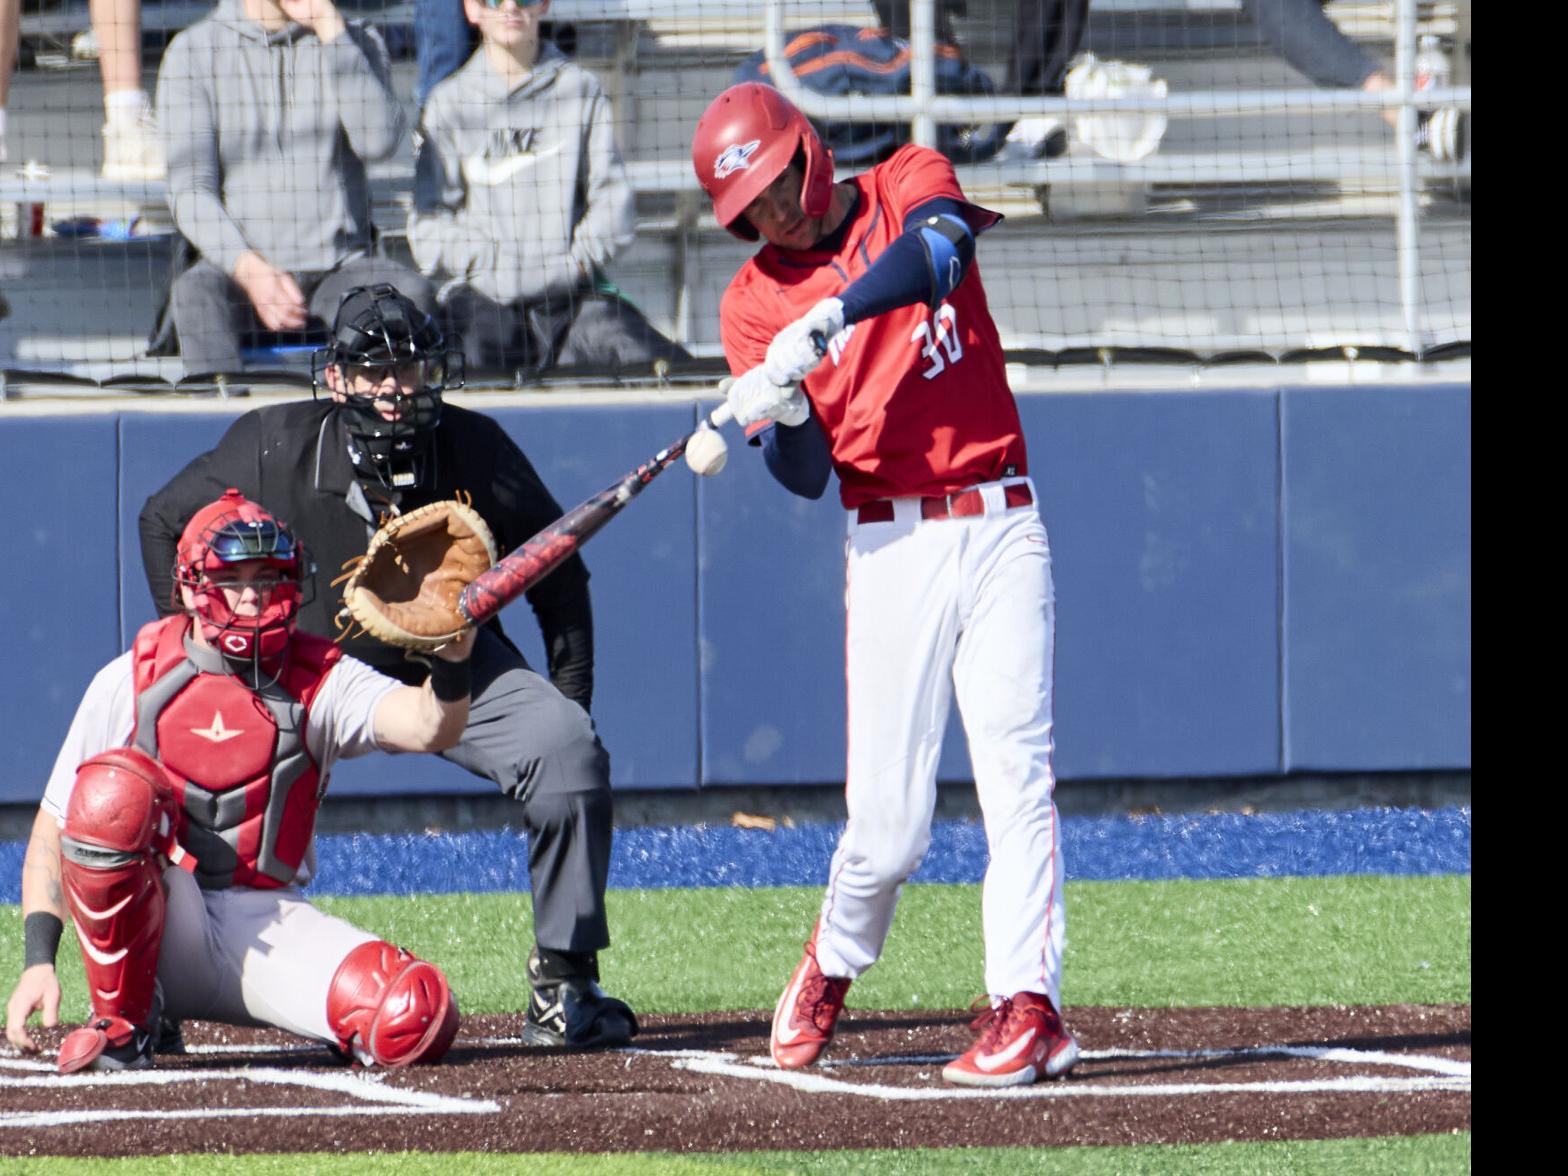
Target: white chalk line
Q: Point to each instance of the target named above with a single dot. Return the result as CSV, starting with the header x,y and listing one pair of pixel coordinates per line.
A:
x,y
376,1098
1322,1053
72,1118
1445,1074
372,1096
820,1083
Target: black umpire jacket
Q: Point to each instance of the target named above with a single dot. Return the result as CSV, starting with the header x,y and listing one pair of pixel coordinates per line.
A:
x,y
293,459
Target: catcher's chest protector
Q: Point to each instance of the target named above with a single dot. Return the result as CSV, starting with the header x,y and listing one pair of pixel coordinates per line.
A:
x,y
246,784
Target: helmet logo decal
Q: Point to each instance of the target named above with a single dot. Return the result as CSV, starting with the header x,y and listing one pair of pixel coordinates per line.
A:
x,y
217,733
734,158
236,643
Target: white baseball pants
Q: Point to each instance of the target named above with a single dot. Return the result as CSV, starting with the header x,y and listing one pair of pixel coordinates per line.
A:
x,y
935,609
250,957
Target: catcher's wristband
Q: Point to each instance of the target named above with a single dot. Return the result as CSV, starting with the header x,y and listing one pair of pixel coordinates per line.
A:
x,y
450,681
41,934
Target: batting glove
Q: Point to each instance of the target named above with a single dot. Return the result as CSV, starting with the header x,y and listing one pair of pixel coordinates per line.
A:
x,y
797,350
753,397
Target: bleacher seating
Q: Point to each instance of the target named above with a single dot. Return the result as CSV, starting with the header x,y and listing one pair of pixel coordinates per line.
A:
x,y
657,55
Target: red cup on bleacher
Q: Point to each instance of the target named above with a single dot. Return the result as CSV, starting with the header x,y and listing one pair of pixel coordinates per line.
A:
x,y
30,218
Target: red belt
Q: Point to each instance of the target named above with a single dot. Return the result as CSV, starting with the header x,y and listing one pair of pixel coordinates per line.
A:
x,y
964,504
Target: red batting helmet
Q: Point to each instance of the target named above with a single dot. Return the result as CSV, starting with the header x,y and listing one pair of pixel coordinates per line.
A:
x,y
235,530
745,139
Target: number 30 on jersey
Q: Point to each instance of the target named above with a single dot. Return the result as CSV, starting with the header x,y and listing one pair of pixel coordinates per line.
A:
x,y
939,346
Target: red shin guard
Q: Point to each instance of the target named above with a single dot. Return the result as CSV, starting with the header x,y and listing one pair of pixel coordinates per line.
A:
x,y
120,811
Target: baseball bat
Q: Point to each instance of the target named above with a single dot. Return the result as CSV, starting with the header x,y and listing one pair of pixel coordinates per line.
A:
x,y
532,561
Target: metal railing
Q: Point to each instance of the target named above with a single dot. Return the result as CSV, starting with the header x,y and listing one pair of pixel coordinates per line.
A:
x,y
923,109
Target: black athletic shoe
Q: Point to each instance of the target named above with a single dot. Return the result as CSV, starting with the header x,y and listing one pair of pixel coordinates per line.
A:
x,y
135,1054
107,1044
574,1013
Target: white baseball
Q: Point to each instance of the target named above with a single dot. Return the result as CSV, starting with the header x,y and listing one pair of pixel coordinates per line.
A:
x,y
707,452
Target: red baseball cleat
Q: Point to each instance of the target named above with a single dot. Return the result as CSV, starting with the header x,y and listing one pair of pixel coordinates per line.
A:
x,y
807,1012
1021,1041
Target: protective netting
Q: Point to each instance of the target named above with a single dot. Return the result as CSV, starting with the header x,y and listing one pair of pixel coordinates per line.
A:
x,y
1255,202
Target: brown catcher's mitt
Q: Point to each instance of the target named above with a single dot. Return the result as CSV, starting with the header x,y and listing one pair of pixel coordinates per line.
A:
x,y
405,588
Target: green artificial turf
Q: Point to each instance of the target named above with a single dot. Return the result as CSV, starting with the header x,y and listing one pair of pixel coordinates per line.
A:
x,y
1366,939
1421,1155
1287,941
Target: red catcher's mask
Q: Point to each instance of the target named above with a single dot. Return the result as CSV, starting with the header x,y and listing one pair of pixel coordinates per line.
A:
x,y
230,531
745,139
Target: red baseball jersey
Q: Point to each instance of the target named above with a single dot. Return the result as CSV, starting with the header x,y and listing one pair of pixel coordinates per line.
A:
x,y
914,401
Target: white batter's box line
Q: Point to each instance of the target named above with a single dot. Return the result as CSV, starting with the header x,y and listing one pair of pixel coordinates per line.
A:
x,y
372,1095
1448,1067
72,1118
1442,1074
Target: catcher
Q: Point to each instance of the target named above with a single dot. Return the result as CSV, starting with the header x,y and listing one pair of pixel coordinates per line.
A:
x,y
380,444
177,825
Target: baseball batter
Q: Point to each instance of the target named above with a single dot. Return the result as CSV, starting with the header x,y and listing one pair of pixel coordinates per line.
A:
x,y
863,345
177,825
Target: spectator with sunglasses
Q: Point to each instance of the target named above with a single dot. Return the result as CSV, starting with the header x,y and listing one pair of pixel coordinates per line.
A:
x,y
520,202
271,110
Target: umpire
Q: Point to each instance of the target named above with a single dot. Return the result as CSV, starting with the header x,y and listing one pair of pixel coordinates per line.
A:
x,y
386,443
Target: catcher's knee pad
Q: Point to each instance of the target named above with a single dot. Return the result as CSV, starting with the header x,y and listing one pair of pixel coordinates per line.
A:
x,y
390,1008
119,815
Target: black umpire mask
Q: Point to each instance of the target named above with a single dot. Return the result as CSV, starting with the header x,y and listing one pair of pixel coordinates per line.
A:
x,y
393,365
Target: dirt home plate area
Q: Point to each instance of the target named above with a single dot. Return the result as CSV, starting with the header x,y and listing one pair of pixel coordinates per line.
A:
x,y
705,1083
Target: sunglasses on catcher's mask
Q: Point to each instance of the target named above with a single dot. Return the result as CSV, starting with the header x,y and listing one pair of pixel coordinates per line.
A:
x,y
518,3
240,541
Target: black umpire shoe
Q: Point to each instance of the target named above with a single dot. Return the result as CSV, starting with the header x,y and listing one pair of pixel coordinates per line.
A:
x,y
573,1012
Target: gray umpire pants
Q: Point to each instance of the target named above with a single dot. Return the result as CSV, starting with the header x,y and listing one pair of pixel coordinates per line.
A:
x,y
540,748
212,314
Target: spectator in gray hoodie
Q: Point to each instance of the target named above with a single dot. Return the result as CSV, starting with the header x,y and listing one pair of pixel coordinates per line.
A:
x,y
521,199
270,110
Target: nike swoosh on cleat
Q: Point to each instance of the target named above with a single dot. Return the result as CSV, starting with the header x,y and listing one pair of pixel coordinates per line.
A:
x,y
1011,1054
782,1033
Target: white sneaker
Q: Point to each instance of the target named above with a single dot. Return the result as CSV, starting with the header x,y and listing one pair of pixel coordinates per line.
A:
x,y
1441,133
1037,138
131,150
84,46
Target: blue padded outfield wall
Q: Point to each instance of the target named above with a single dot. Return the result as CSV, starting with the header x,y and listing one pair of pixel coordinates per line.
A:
x,y
1249,583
